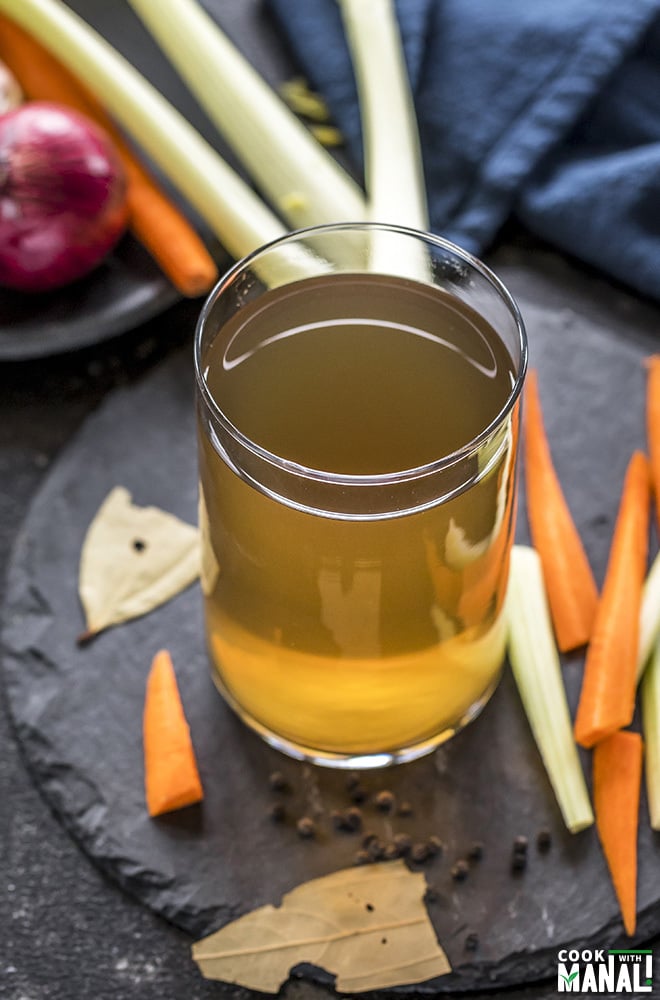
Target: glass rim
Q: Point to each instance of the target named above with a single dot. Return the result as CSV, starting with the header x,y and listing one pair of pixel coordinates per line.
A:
x,y
373,479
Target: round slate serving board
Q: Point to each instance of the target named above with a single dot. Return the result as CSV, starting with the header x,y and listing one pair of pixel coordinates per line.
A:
x,y
77,711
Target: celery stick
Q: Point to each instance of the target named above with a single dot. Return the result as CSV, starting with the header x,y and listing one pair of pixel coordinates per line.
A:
x,y
393,162
279,153
394,176
236,214
649,619
650,696
648,670
537,671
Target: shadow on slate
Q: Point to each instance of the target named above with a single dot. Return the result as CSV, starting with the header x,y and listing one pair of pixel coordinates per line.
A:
x,y
78,711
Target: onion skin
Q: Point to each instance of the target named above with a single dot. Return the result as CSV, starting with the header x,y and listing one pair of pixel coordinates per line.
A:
x,y
62,196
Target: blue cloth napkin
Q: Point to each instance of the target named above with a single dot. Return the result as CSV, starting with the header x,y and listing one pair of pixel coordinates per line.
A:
x,y
548,110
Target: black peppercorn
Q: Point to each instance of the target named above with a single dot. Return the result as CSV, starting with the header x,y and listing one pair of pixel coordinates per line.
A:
x,y
337,819
306,827
353,819
519,855
476,851
405,809
385,801
277,812
403,843
472,941
419,853
543,841
459,871
391,852
376,850
434,845
277,781
361,858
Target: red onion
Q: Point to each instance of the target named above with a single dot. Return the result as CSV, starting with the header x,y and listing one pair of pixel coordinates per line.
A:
x,y
62,196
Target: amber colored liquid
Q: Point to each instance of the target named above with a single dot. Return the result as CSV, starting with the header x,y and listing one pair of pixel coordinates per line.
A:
x,y
353,636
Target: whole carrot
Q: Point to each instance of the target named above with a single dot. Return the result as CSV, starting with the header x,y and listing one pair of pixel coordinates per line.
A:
x,y
154,219
569,581
607,698
617,774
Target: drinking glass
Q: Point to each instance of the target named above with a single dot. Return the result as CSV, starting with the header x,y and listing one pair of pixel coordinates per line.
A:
x,y
358,392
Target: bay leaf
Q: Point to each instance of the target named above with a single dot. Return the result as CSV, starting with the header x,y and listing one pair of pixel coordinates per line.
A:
x,y
368,926
133,560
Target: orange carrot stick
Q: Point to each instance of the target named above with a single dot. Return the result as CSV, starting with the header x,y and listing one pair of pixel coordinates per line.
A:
x,y
569,581
171,778
607,698
653,425
155,221
617,774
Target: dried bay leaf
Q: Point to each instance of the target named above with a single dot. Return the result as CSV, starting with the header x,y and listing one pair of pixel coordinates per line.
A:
x,y
368,926
133,559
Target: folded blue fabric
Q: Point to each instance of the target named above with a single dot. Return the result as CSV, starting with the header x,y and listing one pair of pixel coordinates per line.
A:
x,y
544,109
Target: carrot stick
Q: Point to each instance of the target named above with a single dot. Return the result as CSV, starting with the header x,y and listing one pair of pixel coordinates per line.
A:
x,y
617,775
155,221
653,425
171,777
607,698
569,581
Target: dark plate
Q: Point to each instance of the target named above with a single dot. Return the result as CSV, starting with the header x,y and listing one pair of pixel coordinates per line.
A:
x,y
126,290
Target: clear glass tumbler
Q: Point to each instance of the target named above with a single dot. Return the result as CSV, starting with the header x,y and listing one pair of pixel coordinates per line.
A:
x,y
358,396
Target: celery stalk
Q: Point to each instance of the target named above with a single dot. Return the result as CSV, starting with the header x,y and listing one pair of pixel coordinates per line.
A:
x,y
650,697
236,214
295,173
649,619
648,670
392,155
537,671
394,176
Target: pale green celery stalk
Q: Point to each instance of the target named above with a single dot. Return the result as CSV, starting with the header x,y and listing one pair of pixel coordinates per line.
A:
x,y
392,156
537,670
236,214
648,670
296,174
650,697
649,619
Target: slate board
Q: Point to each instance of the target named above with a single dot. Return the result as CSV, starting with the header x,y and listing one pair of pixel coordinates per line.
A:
x,y
77,711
